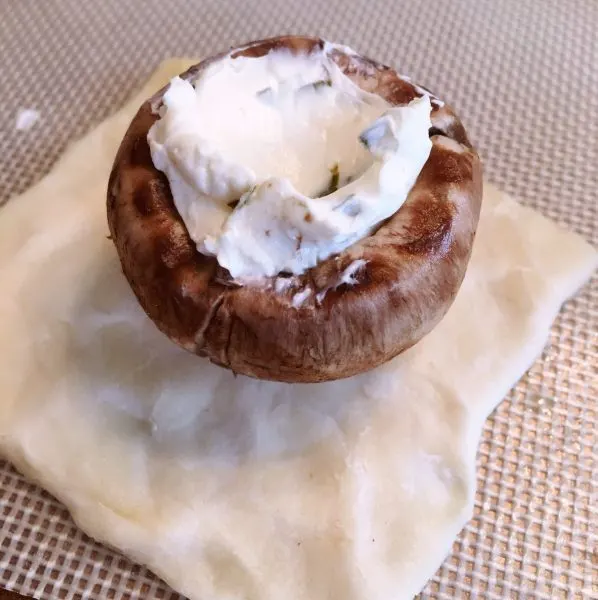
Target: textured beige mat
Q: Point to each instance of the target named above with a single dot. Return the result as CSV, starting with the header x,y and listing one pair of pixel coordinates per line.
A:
x,y
521,75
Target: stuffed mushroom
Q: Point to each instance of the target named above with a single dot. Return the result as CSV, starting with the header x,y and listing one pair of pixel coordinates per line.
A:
x,y
294,211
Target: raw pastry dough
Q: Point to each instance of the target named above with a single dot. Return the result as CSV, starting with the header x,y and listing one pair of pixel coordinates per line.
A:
x,y
231,488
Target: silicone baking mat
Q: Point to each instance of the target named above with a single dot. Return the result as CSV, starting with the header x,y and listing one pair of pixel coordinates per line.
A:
x,y
523,75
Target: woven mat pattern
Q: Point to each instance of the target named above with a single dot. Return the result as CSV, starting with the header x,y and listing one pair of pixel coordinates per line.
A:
x,y
523,76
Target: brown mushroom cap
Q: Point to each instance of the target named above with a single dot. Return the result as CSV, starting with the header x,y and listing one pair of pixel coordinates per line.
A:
x,y
408,274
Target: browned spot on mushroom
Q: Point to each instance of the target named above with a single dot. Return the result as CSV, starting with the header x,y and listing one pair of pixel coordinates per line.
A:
x,y
435,131
143,200
140,154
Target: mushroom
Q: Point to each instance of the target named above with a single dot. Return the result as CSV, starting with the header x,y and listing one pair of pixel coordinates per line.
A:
x,y
352,311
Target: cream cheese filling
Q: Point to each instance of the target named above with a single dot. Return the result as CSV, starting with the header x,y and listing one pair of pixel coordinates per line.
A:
x,y
278,162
